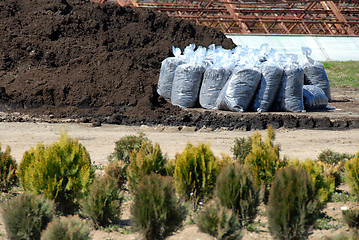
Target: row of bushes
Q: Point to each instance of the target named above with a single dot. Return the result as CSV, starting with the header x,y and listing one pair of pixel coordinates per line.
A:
x,y
60,176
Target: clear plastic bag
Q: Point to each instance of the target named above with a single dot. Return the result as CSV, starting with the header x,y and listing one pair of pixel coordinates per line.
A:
x,y
268,87
314,73
290,94
188,78
239,90
215,77
314,98
167,72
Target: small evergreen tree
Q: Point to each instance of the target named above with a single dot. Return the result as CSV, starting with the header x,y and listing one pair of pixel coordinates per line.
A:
x,y
8,168
156,210
264,161
237,190
219,222
27,215
293,205
103,202
147,159
196,172
61,171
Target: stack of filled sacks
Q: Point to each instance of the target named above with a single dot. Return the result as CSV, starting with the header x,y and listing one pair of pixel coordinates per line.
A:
x,y
243,79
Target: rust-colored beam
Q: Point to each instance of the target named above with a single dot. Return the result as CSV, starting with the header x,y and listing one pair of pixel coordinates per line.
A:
x,y
231,9
339,16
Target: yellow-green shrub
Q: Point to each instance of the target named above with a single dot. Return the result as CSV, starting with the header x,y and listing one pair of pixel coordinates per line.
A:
x,y
324,184
196,172
263,159
147,159
352,175
61,171
8,168
117,170
242,146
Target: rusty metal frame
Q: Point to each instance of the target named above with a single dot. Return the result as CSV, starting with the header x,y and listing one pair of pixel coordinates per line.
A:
x,y
336,17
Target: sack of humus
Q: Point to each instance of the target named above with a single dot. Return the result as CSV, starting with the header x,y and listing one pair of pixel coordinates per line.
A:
x,y
315,74
314,98
268,87
188,78
167,72
290,94
239,90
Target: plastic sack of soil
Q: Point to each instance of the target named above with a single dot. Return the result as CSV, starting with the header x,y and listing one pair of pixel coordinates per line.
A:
x,y
167,72
290,94
239,90
187,80
268,87
314,98
214,78
314,73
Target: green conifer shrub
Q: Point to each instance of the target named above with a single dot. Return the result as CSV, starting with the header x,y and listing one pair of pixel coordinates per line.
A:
x,y
264,161
324,184
330,157
236,190
242,146
26,215
156,211
352,175
117,170
67,228
224,161
219,222
293,206
103,202
196,172
61,171
334,163
125,145
170,167
8,166
143,161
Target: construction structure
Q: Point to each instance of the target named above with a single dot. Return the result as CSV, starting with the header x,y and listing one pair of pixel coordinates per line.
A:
x,y
336,17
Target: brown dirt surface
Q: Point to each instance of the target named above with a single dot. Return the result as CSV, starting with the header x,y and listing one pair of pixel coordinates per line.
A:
x,y
100,63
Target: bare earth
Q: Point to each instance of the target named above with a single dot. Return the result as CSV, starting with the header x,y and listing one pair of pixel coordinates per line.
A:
x,y
99,141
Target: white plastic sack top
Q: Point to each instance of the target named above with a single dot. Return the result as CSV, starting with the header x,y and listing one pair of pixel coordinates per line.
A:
x,y
239,90
314,98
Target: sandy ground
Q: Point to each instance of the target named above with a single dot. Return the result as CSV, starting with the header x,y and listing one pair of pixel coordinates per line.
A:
x,y
100,142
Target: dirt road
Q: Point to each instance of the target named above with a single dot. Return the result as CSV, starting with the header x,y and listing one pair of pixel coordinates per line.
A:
x,y
99,141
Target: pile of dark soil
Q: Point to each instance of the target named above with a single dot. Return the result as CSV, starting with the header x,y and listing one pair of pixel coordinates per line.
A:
x,y
100,62
78,58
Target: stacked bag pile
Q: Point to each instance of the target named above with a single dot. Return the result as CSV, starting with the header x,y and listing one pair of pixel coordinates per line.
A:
x,y
243,79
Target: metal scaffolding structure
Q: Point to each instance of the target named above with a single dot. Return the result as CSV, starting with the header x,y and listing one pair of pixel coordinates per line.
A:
x,y
336,17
